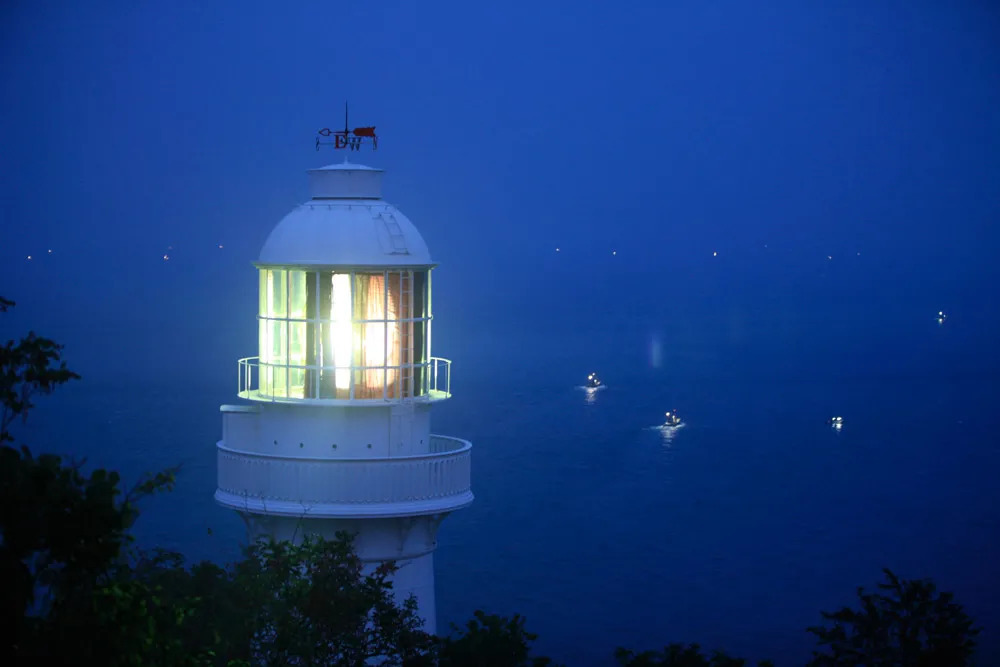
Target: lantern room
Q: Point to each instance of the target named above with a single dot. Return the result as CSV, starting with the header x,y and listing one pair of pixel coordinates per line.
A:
x,y
344,313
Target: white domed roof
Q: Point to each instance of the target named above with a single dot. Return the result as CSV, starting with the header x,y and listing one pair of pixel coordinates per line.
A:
x,y
346,223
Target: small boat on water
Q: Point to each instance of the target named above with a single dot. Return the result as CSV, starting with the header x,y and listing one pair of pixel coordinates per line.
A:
x,y
836,422
593,382
673,419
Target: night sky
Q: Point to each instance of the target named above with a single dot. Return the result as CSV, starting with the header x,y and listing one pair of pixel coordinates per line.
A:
x,y
776,135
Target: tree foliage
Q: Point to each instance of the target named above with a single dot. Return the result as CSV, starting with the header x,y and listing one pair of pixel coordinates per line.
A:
x,y
489,640
63,533
679,655
28,367
316,603
312,603
63,537
906,623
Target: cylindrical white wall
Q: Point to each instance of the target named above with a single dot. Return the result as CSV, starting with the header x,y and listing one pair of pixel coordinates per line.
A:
x,y
345,181
335,432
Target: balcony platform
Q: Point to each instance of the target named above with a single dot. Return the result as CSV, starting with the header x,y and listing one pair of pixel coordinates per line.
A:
x,y
327,488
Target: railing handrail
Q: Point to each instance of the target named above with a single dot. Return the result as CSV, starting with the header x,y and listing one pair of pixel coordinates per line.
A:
x,y
245,380
465,446
255,361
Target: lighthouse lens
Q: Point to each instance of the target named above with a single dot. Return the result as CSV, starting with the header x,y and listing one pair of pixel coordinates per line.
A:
x,y
343,334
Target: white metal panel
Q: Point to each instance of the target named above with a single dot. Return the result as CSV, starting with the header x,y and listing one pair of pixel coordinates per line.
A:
x,y
347,223
345,233
345,181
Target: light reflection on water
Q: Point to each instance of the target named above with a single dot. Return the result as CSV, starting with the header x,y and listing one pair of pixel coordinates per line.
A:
x,y
590,393
668,433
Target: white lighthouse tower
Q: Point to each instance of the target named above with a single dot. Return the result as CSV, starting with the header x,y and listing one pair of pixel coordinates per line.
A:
x,y
336,434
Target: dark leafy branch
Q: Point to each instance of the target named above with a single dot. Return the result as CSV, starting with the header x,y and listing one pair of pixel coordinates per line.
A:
x,y
679,655
28,367
906,622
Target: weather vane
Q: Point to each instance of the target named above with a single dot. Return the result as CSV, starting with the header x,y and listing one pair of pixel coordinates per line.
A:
x,y
348,138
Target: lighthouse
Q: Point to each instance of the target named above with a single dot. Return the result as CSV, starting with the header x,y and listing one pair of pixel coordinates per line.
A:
x,y
334,432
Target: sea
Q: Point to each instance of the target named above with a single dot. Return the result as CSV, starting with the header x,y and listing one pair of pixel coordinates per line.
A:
x,y
600,528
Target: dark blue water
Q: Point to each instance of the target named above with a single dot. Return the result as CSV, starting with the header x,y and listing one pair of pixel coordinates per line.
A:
x,y
602,532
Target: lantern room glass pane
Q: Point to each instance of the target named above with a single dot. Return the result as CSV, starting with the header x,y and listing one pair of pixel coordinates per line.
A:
x,y
263,346
420,311
368,382
395,308
340,336
277,300
420,294
296,382
278,339
297,295
297,343
279,381
262,293
264,379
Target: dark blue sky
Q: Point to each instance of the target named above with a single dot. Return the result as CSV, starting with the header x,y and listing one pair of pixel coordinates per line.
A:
x,y
664,131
